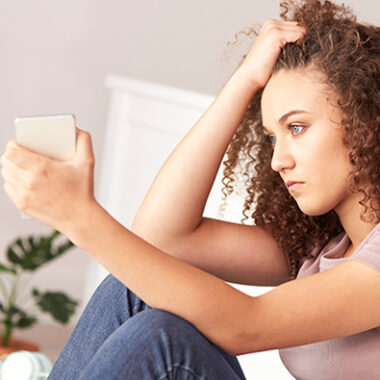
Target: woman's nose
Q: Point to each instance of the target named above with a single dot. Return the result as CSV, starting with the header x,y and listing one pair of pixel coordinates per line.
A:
x,y
281,158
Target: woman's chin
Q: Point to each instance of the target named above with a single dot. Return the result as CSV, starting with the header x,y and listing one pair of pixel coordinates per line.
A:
x,y
312,210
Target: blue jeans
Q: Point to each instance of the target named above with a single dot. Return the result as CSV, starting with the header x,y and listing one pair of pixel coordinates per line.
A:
x,y
119,337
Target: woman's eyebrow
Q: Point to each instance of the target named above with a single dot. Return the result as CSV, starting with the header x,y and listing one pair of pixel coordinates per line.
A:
x,y
282,119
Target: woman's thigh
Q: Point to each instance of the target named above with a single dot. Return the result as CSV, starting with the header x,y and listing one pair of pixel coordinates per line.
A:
x,y
157,345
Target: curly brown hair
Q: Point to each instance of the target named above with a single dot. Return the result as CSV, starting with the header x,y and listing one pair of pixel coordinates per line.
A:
x,y
347,53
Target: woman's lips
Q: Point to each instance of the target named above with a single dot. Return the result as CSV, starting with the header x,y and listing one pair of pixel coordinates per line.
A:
x,y
295,186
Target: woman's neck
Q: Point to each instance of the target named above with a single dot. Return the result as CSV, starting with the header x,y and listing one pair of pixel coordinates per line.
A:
x,y
349,212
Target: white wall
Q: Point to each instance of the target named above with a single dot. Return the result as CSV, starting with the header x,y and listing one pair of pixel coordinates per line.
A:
x,y
55,55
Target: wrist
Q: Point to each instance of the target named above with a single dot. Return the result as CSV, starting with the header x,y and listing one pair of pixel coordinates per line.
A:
x,y
81,226
244,75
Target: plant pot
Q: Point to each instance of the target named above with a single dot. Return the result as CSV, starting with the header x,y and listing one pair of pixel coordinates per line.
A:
x,y
18,345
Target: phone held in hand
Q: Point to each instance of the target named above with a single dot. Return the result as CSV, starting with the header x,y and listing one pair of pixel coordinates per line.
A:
x,y
51,135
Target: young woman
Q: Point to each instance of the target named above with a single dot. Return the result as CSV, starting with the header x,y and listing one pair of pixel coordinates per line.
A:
x,y
302,112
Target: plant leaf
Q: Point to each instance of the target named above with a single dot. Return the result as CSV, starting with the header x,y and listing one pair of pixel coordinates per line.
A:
x,y
12,256
15,317
25,321
32,252
13,310
4,268
58,304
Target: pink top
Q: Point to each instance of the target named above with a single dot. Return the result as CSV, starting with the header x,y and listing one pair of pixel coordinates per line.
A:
x,y
352,357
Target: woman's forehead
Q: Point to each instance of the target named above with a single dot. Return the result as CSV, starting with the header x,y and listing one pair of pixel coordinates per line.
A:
x,y
296,83
289,90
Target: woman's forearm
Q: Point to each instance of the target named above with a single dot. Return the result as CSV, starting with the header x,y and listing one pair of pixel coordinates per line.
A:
x,y
176,199
162,281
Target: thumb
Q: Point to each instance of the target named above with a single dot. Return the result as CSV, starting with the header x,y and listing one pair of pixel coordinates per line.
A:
x,y
84,151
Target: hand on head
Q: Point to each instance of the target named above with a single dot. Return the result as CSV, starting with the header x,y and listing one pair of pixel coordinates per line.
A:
x,y
273,36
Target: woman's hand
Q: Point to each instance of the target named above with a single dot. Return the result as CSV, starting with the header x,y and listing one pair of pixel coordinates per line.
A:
x,y
54,192
273,36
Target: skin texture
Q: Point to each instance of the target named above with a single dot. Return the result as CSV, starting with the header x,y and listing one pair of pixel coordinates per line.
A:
x,y
311,150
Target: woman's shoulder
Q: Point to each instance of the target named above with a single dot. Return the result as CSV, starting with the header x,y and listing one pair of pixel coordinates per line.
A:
x,y
315,251
369,249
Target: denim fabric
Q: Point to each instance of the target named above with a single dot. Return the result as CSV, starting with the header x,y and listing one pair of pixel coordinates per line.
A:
x,y
119,337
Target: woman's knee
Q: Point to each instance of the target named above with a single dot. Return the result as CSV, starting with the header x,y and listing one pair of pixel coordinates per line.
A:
x,y
110,282
113,292
167,327
110,287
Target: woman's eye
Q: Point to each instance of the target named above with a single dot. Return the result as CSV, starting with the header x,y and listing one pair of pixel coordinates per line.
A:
x,y
270,139
295,127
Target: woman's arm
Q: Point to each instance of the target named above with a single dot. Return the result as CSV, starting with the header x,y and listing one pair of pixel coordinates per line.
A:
x,y
177,197
170,216
338,302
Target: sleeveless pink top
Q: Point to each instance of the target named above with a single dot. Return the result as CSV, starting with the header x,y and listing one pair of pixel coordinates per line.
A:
x,y
352,357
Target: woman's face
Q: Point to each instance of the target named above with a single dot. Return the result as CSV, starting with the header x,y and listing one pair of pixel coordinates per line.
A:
x,y
307,145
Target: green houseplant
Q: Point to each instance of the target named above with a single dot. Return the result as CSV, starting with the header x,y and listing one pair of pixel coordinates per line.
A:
x,y
27,254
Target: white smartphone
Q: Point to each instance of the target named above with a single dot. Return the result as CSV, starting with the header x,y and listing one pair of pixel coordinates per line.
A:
x,y
51,135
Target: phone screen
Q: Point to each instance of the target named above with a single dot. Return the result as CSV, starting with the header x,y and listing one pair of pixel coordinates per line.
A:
x,y
52,135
